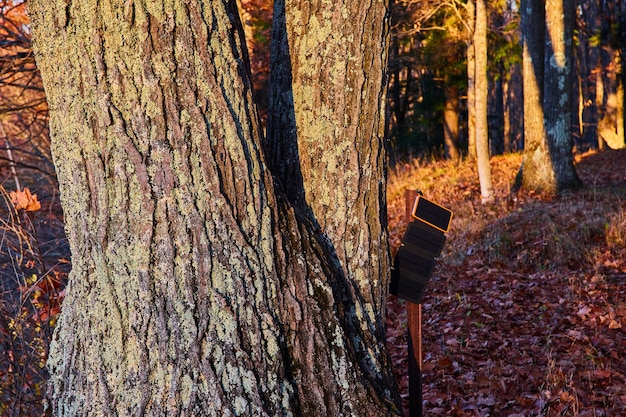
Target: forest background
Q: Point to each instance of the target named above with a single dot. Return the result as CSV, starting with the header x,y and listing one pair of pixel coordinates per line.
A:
x,y
553,267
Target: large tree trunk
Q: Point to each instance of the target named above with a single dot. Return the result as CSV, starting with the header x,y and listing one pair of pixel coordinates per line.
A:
x,y
536,166
481,97
325,140
196,289
557,93
547,72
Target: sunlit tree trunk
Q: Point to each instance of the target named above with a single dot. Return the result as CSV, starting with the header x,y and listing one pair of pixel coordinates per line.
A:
x,y
451,123
558,92
325,143
609,99
536,164
547,65
620,140
621,71
471,81
480,105
600,102
196,288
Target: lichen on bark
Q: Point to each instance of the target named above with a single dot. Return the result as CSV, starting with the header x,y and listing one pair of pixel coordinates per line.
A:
x,y
196,288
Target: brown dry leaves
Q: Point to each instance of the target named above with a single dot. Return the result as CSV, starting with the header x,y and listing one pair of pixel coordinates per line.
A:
x,y
25,200
526,312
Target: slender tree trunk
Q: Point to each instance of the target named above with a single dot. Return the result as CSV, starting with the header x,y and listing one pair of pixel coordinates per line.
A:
x,y
496,114
481,97
580,108
451,123
600,110
619,122
196,289
506,107
398,94
471,81
621,71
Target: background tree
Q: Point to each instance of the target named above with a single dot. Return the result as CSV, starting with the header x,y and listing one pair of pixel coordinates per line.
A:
x,y
558,93
433,50
606,24
23,107
506,105
471,79
451,122
196,289
427,79
480,102
547,31
535,146
256,16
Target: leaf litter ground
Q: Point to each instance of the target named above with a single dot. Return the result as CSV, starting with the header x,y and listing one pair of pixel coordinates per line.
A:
x,y
525,314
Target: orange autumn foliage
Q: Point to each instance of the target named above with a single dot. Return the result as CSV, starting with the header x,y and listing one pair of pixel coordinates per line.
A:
x,y
25,200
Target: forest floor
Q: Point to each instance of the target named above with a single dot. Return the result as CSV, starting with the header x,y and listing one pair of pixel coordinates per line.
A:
x,y
525,314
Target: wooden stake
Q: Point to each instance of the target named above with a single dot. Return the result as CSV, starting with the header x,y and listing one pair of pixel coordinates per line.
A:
x,y
414,319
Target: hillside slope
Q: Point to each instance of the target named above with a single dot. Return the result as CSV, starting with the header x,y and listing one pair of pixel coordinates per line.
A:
x,y
526,312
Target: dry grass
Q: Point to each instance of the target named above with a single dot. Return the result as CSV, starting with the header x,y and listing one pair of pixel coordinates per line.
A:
x,y
35,261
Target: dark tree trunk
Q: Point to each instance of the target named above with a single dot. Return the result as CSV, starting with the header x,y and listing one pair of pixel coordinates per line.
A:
x,y
507,133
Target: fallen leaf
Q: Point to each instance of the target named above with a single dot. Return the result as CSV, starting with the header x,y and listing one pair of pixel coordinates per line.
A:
x,y
25,200
613,324
583,312
576,335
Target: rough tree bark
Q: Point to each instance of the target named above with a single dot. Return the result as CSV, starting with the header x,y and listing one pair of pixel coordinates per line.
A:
x,y
558,93
536,164
325,140
547,65
197,289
